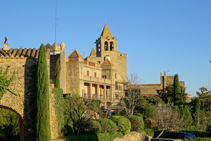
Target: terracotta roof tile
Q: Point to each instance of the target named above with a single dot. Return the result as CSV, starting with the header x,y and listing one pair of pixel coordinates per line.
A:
x,y
31,53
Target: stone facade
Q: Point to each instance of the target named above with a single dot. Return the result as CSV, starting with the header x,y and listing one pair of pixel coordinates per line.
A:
x,y
153,89
24,63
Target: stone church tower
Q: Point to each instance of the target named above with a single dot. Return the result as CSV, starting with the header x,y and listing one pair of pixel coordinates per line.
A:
x,y
106,48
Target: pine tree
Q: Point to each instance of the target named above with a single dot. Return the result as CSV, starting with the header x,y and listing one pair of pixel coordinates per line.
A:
x,y
43,132
57,74
177,90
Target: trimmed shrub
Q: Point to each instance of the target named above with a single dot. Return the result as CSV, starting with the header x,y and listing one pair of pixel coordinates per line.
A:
x,y
123,124
139,114
149,123
137,123
149,132
91,127
107,125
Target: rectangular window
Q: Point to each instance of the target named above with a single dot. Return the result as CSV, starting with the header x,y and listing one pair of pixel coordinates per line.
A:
x,y
104,76
87,73
115,75
95,75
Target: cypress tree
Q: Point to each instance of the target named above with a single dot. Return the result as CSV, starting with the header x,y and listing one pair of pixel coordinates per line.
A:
x,y
177,90
43,132
57,74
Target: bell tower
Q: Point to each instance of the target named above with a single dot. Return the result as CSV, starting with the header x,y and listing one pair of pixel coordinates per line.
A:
x,y
106,43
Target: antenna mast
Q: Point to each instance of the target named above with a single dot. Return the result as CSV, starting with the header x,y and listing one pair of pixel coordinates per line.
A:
x,y
55,21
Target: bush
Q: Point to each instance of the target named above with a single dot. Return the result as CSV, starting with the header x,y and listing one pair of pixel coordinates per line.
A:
x,y
149,123
149,132
137,123
139,114
91,127
123,124
107,125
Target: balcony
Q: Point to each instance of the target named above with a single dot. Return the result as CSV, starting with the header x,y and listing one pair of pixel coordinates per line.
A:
x,y
96,97
97,79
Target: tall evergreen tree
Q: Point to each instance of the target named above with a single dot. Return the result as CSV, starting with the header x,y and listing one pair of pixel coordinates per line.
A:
x,y
43,132
177,90
197,105
57,74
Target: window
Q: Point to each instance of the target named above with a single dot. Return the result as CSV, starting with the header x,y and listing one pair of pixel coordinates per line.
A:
x,y
104,76
120,54
115,75
111,46
106,46
95,74
87,73
98,62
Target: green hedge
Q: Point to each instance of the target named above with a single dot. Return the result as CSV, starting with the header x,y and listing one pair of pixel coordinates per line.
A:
x,y
107,125
137,123
149,132
95,137
91,127
123,124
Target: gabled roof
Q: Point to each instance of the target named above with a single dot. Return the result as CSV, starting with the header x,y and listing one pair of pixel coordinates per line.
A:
x,y
31,53
106,32
75,54
107,63
93,53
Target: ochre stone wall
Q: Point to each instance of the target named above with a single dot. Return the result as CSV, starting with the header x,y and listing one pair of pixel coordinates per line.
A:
x,y
53,116
150,89
23,85
134,136
72,76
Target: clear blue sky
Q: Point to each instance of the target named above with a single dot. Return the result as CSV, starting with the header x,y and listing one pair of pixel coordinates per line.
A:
x,y
156,35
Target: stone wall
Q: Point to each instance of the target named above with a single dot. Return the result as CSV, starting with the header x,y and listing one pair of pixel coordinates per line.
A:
x,y
53,116
24,86
134,136
72,76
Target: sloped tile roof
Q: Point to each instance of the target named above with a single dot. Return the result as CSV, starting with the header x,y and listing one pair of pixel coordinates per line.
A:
x,y
31,53
75,54
107,63
93,53
106,32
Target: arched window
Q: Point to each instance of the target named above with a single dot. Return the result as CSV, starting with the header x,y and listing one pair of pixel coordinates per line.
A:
x,y
106,46
98,47
111,46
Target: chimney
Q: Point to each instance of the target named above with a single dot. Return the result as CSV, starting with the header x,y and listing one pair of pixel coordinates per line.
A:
x,y
6,47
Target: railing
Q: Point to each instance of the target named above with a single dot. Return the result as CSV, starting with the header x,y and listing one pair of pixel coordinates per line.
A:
x,y
97,79
96,96
86,96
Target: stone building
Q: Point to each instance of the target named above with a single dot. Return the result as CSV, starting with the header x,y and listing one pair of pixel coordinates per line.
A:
x,y
24,63
100,76
153,89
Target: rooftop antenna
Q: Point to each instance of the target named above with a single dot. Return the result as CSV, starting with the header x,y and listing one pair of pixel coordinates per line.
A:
x,y
55,21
